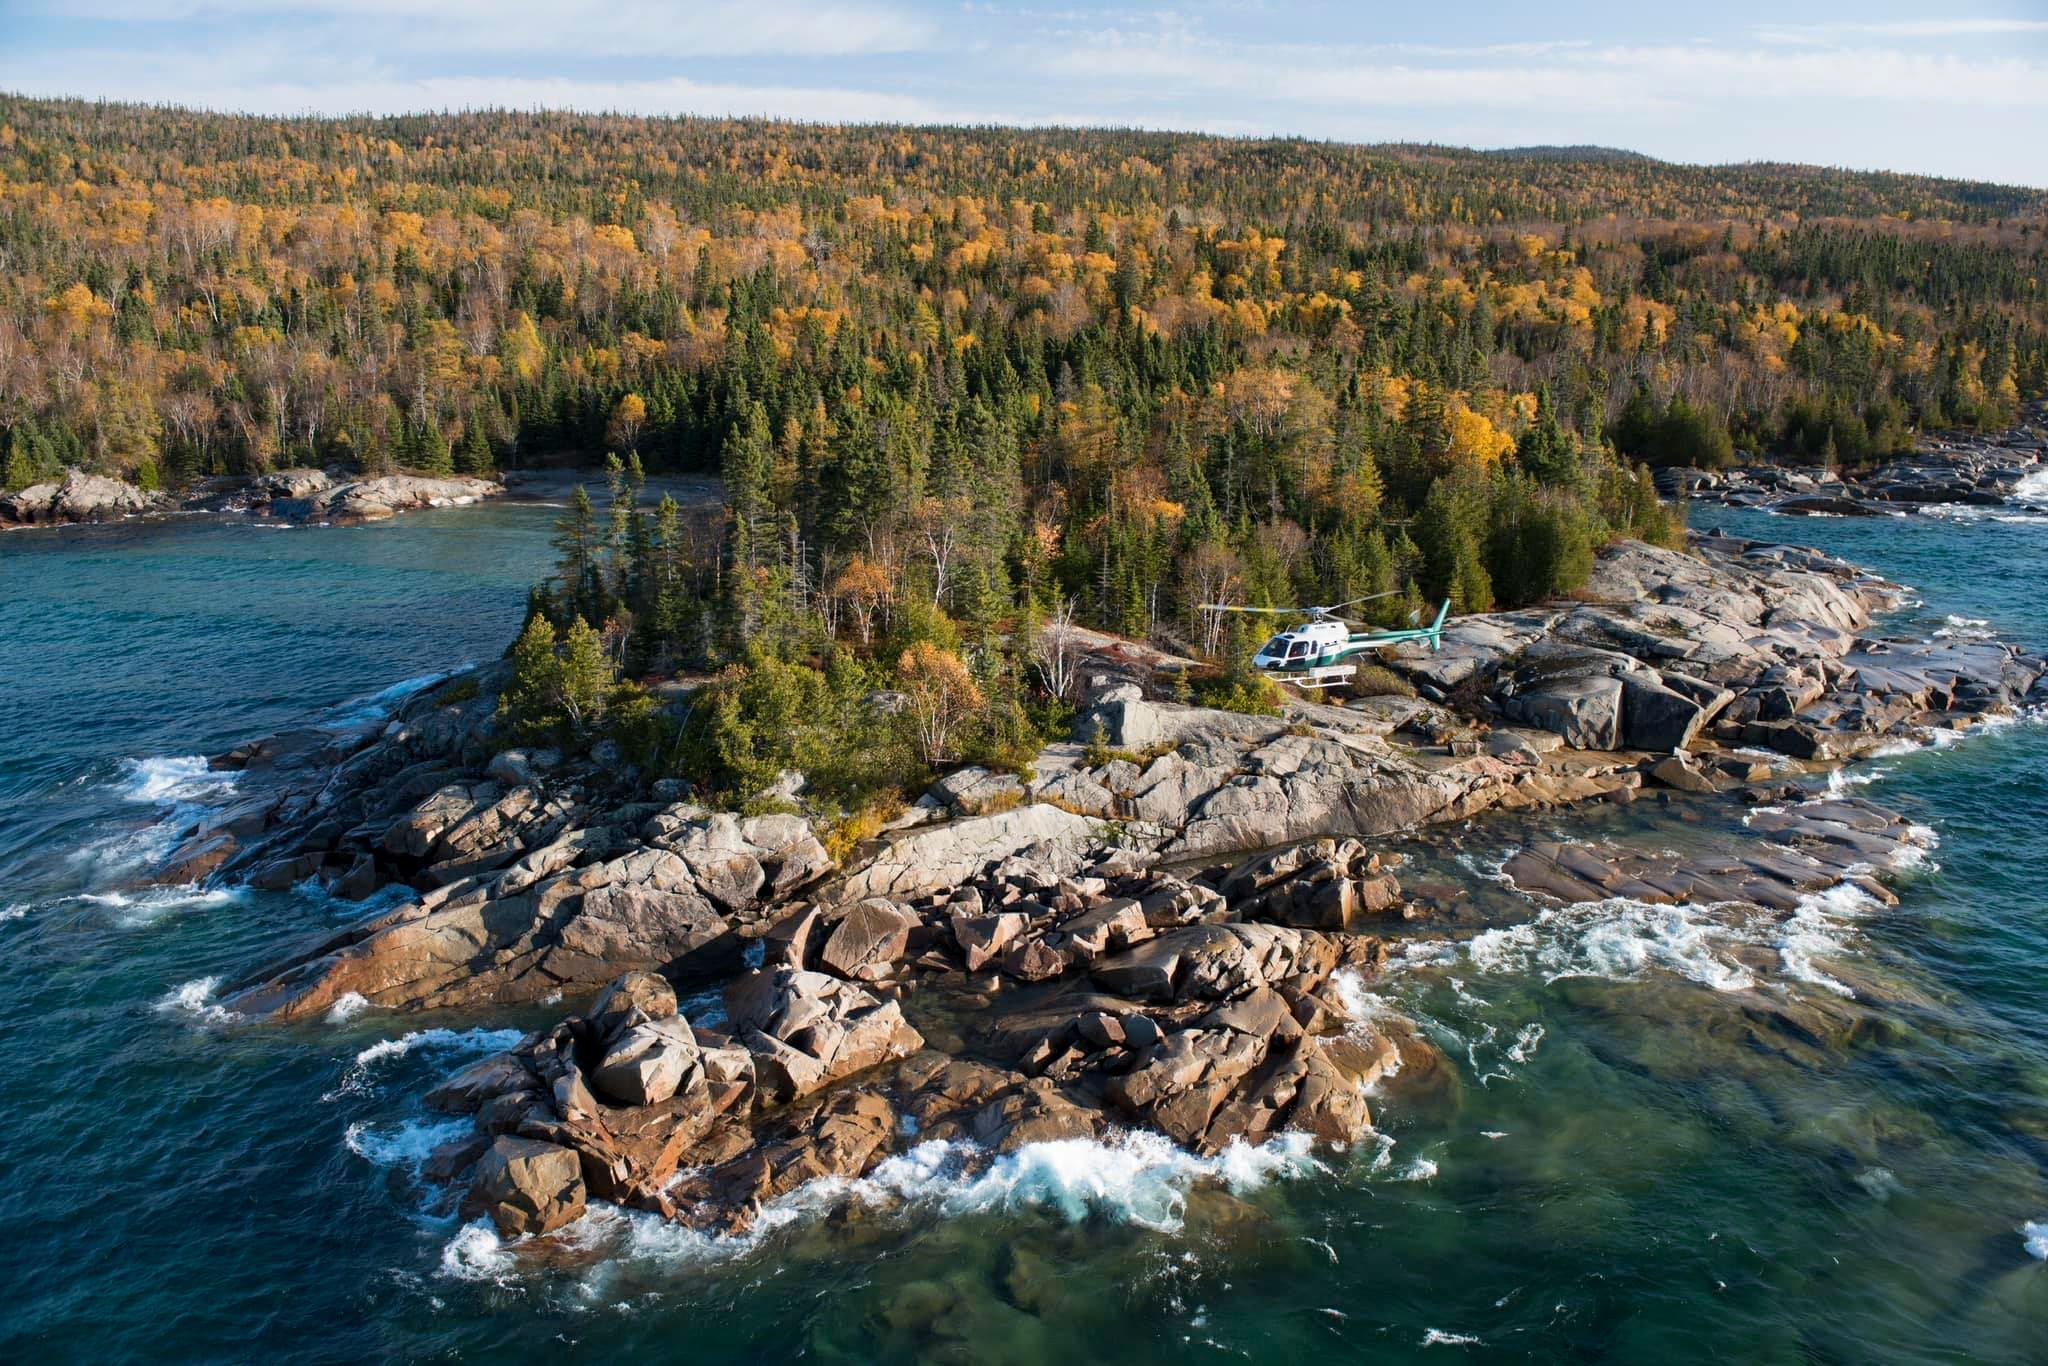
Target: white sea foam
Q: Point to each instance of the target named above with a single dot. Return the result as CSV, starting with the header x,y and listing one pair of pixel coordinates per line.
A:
x,y
179,786
1818,928
1526,1040
1437,1337
196,1000
476,1253
350,1005
1954,627
2036,1234
1917,851
1417,953
1133,1178
140,908
1618,939
166,780
19,910
357,1077
407,1144
2032,487
1840,780
1137,1177
1880,1183
1491,870
439,1040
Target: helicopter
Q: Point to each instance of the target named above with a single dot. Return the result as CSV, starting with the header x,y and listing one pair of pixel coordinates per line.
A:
x,y
1319,653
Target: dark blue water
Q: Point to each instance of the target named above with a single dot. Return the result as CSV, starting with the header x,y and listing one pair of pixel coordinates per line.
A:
x,y
1656,1132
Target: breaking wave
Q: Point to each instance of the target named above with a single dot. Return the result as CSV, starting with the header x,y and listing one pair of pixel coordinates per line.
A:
x,y
1133,1178
1617,939
378,706
180,787
407,1144
140,908
357,1078
195,999
167,780
2036,1234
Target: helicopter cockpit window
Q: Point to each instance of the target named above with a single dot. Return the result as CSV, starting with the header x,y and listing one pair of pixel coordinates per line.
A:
x,y
1276,647
1299,650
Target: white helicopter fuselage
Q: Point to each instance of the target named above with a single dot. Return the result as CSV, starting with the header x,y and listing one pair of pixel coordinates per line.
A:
x,y
1316,655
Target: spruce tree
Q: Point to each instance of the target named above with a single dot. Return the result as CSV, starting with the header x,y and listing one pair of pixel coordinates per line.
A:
x,y
475,456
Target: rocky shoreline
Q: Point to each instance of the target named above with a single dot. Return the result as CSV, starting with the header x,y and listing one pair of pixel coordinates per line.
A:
x,y
1947,470
295,496
1166,924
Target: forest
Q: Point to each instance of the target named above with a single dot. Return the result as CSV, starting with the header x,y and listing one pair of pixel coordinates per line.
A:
x,y
959,381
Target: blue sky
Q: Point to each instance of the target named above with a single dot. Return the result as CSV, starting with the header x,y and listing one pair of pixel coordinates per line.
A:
x,y
1954,89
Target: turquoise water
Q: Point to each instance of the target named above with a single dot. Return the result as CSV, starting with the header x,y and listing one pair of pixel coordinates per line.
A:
x,y
1655,1132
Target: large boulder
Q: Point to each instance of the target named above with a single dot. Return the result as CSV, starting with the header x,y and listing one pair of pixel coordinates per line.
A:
x,y
527,1186
809,1029
1659,717
1121,716
1585,711
942,856
871,935
634,997
647,1063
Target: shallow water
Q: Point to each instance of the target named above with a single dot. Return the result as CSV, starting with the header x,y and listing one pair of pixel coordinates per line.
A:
x,y
1656,1131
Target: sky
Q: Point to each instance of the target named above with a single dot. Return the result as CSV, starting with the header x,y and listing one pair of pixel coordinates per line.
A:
x,y
1958,88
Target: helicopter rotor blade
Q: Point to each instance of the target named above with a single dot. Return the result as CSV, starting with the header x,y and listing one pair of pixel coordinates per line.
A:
x,y
1230,607
1337,607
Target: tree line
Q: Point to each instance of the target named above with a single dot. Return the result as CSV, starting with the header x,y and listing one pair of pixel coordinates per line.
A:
x,y
958,382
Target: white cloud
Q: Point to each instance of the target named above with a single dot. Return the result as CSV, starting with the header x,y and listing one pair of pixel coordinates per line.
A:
x,y
1899,28
1613,79
437,29
374,92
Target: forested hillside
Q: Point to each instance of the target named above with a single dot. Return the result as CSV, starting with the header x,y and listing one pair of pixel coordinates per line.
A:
x,y
958,375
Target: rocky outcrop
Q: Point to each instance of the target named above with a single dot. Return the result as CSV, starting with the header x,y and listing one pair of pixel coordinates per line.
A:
x,y
293,495
530,876
77,497
920,861
1035,956
1111,995
1803,850
308,496
1739,643
564,911
1946,470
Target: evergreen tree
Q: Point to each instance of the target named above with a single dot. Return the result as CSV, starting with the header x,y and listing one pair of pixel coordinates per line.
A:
x,y
529,702
474,458
578,545
587,677
431,454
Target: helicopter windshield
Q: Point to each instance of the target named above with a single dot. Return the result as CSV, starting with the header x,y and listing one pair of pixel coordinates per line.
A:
x,y
1275,648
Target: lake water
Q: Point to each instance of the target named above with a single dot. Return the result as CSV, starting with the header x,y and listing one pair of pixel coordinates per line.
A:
x,y
1657,1131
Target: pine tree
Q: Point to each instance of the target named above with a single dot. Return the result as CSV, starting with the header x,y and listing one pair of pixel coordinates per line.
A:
x,y
433,455
21,464
577,544
475,456
587,677
529,700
